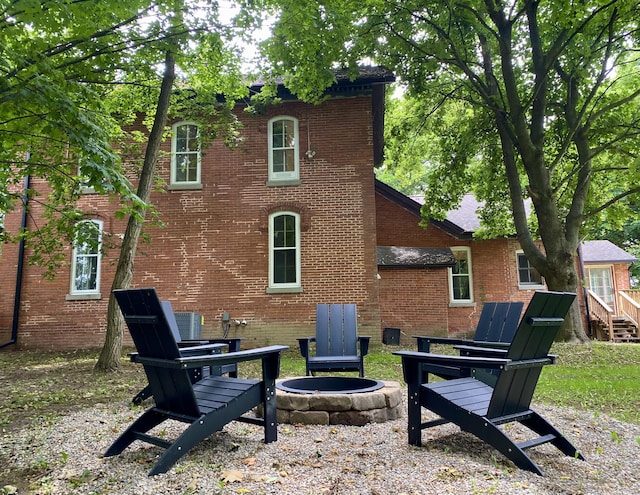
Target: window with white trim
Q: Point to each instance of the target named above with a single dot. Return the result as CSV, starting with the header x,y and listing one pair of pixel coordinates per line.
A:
x,y
460,276
528,276
185,154
284,250
85,263
283,149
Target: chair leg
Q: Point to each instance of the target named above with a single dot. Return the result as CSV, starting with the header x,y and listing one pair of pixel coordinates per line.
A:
x,y
414,415
542,427
142,395
482,427
270,415
143,424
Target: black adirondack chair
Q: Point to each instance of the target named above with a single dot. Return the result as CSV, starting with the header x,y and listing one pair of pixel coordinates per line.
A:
x,y
193,347
207,405
480,408
336,341
496,327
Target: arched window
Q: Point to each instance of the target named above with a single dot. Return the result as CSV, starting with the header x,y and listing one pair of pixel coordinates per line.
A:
x,y
85,265
185,154
284,251
283,149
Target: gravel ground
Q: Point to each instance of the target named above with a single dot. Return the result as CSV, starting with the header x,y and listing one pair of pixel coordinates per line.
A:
x,y
373,459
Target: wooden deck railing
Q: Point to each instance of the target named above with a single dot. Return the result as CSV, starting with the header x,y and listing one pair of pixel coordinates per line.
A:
x,y
601,310
629,305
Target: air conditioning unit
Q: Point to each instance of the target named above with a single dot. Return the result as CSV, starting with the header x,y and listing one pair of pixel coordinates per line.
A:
x,y
189,325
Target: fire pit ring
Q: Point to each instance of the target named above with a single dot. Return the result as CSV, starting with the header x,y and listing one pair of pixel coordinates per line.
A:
x,y
329,385
379,402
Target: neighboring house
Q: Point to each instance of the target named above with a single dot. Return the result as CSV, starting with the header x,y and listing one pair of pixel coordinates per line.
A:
x,y
421,294
613,308
262,234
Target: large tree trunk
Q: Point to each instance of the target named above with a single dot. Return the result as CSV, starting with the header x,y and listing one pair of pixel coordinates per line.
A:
x,y
109,359
563,277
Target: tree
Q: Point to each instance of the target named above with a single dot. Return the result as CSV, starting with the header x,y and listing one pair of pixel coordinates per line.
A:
x,y
58,61
550,92
210,69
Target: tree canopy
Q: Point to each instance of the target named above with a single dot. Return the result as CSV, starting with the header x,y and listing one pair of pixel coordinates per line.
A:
x,y
73,73
529,100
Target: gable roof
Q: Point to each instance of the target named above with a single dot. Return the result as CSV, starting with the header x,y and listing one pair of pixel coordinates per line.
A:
x,y
364,82
600,251
463,221
413,204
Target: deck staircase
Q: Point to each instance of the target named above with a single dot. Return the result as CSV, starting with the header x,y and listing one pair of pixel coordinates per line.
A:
x,y
608,326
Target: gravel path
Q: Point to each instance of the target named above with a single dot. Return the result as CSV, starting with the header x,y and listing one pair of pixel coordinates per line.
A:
x,y
373,459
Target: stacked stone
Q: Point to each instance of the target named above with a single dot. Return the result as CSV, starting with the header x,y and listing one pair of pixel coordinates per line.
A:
x,y
341,409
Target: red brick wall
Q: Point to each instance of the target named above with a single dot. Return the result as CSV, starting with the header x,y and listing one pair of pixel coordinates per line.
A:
x,y
212,253
417,300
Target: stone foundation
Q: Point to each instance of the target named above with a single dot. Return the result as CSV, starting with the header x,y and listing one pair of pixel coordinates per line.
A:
x,y
340,409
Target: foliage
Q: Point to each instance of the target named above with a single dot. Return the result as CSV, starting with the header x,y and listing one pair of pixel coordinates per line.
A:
x,y
73,73
527,100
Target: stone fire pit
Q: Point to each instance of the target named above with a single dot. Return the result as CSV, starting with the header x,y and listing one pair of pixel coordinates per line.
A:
x,y
319,406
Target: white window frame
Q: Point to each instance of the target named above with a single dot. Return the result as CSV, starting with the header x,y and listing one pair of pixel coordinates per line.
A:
x,y
280,178
527,285
174,182
286,286
470,299
73,291
611,276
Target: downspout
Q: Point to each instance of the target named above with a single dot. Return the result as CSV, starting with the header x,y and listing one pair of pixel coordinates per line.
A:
x,y
585,295
18,291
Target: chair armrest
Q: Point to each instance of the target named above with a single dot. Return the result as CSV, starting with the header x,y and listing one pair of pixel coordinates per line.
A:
x,y
363,340
472,350
412,362
304,345
189,362
202,349
233,343
424,343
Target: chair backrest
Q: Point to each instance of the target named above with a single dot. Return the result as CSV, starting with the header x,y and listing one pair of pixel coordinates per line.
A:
x,y
336,330
153,337
171,320
538,328
498,321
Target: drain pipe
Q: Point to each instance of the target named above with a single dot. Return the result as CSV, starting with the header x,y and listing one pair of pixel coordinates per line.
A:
x,y
18,291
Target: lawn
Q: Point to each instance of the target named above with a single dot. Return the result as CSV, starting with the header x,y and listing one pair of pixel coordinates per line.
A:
x,y
35,386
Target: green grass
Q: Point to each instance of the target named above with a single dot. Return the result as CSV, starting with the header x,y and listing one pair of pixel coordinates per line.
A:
x,y
601,377
38,387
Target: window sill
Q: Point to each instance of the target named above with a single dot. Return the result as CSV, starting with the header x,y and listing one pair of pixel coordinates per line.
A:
x,y
184,187
284,290
84,297
532,287
288,182
462,304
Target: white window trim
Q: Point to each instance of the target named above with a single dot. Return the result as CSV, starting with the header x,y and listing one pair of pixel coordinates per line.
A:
x,y
470,300
284,287
524,285
284,178
93,293
172,181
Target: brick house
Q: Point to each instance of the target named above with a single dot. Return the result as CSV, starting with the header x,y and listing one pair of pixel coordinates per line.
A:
x,y
260,233
263,233
419,292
